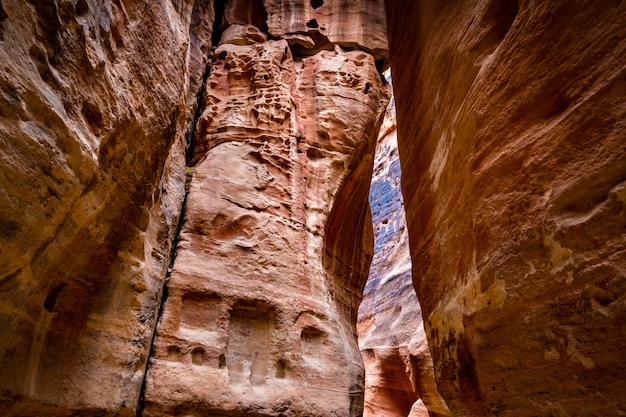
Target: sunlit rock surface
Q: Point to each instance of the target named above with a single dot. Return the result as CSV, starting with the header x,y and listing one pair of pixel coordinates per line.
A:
x,y
511,135
277,237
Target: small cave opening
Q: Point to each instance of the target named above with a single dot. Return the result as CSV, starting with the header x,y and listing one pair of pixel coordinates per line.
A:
x,y
312,24
197,356
389,316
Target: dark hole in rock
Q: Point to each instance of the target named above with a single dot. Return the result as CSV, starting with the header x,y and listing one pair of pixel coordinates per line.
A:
x,y
310,334
316,4
312,24
82,7
281,367
51,299
3,14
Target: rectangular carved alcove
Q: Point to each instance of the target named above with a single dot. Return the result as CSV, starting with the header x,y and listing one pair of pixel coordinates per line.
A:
x,y
248,357
200,310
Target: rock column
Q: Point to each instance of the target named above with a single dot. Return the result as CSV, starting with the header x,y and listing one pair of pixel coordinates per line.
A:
x,y
276,242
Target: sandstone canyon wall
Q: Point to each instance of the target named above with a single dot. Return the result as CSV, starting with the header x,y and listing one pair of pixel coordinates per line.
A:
x,y
256,120
512,145
99,156
96,98
277,238
276,241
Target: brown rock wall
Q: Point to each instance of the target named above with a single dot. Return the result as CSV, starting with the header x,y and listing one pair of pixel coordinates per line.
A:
x,y
95,98
317,24
512,146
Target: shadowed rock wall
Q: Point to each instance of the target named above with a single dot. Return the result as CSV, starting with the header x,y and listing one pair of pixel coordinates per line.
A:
x,y
511,135
95,101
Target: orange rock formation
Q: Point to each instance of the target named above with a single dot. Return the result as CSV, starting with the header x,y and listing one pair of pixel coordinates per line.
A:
x,y
276,241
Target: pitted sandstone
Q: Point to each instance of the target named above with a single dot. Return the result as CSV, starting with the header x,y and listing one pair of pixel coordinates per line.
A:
x,y
276,241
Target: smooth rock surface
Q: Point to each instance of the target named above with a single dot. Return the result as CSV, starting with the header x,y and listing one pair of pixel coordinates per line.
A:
x,y
95,101
511,135
277,239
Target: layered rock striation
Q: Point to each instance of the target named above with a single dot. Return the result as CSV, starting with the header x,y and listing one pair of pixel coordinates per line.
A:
x,y
511,138
276,241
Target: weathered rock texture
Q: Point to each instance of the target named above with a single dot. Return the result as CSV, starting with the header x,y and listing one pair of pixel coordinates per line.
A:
x,y
95,98
511,135
277,237
314,24
398,366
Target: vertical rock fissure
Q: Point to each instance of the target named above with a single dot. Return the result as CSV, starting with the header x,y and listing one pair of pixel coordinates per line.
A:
x,y
190,143
189,151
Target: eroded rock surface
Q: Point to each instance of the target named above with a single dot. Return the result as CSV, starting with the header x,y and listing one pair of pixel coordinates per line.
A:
x,y
277,238
97,102
95,99
511,137
314,24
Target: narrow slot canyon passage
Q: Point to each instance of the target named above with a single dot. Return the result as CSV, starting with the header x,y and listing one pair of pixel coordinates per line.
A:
x,y
184,219
399,376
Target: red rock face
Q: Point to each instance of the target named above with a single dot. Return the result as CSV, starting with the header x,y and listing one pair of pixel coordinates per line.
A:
x,y
94,105
274,252
313,24
511,135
